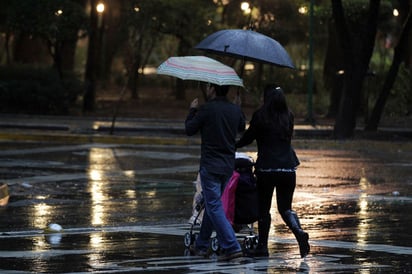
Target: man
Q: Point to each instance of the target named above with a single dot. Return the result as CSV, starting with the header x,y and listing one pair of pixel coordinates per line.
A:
x,y
218,121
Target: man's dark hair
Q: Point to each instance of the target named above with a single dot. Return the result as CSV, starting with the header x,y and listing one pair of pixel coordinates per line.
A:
x,y
221,90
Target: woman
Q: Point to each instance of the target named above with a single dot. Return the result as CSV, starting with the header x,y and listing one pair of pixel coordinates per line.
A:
x,y
272,128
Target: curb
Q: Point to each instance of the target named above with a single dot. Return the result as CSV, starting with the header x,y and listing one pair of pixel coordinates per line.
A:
x,y
94,138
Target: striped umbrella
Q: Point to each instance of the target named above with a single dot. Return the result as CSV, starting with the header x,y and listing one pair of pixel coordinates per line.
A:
x,y
200,68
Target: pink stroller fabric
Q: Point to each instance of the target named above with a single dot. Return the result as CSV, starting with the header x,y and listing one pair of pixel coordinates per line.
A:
x,y
228,197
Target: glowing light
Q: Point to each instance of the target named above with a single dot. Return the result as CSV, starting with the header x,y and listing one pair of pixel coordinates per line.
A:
x,y
363,226
129,173
95,175
58,12
98,158
249,66
41,214
100,7
245,6
395,12
303,10
147,70
131,194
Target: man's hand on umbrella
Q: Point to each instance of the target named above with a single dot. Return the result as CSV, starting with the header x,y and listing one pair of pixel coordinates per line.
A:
x,y
194,103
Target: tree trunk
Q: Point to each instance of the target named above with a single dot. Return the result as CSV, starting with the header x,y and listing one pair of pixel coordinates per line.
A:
x,y
357,56
399,54
7,47
332,72
69,52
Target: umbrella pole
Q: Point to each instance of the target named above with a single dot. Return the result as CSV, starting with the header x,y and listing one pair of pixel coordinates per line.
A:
x,y
242,70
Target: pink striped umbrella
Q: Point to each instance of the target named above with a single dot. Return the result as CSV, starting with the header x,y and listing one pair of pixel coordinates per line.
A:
x,y
200,68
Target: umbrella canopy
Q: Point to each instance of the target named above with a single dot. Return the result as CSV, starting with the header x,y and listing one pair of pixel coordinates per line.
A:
x,y
200,68
247,44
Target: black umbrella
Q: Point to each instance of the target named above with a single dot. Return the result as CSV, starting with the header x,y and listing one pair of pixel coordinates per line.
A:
x,y
248,45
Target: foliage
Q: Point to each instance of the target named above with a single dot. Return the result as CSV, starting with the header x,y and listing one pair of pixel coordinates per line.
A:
x,y
34,90
48,19
400,101
157,29
55,22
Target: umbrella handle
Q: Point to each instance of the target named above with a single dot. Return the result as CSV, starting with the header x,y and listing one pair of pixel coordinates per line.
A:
x,y
242,67
242,70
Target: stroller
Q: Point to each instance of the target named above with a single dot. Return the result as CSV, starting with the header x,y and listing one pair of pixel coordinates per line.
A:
x,y
239,201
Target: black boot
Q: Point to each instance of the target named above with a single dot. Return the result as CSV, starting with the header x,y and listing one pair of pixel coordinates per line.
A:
x,y
292,221
261,249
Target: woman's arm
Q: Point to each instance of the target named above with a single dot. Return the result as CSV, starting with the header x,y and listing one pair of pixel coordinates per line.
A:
x,y
249,136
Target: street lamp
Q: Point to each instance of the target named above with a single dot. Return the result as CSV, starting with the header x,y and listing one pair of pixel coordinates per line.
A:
x,y
395,12
247,10
245,6
100,8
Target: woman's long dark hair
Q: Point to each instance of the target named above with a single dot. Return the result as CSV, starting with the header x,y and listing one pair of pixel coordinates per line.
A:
x,y
275,111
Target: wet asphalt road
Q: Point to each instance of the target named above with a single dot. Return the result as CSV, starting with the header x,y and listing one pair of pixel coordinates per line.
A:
x,y
124,209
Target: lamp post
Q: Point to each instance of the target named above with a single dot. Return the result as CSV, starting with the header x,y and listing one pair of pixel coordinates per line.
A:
x,y
90,72
309,117
100,8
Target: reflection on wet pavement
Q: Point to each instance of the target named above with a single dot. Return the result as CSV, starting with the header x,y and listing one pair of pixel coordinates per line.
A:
x,y
124,208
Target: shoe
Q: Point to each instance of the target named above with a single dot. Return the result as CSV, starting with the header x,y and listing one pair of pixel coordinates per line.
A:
x,y
303,241
258,252
198,252
291,219
230,256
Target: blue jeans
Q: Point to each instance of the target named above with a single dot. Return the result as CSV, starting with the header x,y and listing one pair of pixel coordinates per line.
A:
x,y
214,217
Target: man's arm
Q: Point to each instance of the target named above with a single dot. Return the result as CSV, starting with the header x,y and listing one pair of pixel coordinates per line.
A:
x,y
242,123
192,125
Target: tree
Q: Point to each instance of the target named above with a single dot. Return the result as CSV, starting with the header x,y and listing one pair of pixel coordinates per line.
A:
x,y
143,19
357,47
148,22
188,25
398,57
62,34
56,23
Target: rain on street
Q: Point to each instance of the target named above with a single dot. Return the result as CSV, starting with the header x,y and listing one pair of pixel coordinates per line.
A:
x,y
125,208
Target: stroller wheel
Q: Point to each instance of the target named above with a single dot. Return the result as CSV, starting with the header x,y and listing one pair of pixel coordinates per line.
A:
x,y
187,239
214,245
249,242
246,243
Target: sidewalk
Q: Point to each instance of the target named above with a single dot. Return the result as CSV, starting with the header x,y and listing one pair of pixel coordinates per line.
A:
x,y
100,129
124,208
